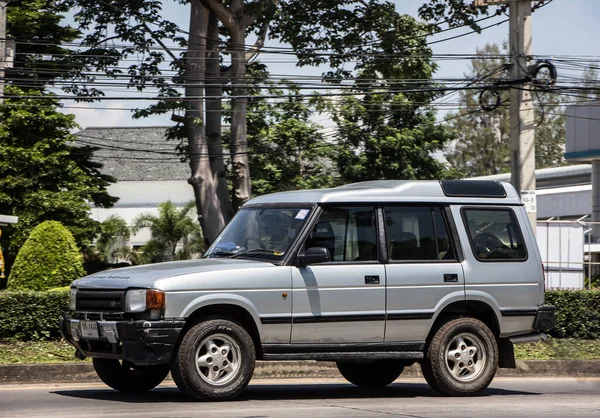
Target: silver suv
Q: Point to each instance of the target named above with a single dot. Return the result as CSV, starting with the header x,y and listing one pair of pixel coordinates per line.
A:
x,y
374,276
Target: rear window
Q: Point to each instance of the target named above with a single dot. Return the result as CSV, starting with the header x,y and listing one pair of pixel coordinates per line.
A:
x,y
495,235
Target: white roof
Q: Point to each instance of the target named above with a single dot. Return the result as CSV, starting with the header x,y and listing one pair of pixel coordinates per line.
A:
x,y
383,191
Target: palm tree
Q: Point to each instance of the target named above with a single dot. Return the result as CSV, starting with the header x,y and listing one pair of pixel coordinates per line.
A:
x,y
176,235
112,244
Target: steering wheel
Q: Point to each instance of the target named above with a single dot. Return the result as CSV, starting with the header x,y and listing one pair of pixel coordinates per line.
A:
x,y
486,243
256,240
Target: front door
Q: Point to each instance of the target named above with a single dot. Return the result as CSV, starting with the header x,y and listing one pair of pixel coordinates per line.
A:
x,y
342,301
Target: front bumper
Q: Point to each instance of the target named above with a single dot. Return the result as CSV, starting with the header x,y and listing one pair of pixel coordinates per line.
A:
x,y
140,342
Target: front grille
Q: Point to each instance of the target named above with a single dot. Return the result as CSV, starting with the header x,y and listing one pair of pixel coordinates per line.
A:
x,y
99,316
100,300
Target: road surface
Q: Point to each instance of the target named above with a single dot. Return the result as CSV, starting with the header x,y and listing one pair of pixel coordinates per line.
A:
x,y
507,397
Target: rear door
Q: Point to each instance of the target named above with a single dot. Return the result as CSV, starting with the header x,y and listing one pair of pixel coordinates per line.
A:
x,y
423,271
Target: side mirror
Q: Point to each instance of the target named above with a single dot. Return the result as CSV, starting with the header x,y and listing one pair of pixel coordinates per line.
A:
x,y
314,255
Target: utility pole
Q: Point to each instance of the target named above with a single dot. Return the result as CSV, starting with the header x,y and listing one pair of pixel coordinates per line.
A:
x,y
3,48
521,104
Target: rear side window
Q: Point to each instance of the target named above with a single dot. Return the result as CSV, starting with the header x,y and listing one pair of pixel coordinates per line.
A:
x,y
495,234
416,233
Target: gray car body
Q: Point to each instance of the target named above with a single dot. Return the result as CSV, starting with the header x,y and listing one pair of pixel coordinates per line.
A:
x,y
330,303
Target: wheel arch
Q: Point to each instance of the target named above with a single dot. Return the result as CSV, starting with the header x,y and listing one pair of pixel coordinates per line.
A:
x,y
477,309
226,308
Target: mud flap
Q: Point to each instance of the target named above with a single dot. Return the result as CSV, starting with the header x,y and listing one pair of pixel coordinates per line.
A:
x,y
506,354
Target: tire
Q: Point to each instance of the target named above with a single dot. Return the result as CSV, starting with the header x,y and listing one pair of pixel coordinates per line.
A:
x,y
215,343
126,377
474,369
371,375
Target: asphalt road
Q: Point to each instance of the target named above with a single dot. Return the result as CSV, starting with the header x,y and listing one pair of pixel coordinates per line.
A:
x,y
518,397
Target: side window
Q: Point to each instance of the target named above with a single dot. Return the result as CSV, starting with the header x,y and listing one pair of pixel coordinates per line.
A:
x,y
349,233
417,233
495,234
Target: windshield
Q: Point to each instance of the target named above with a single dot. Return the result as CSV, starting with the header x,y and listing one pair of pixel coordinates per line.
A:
x,y
259,232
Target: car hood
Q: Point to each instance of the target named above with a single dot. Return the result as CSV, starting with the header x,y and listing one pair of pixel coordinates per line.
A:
x,y
146,275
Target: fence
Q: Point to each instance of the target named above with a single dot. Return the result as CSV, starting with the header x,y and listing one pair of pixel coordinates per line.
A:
x,y
568,253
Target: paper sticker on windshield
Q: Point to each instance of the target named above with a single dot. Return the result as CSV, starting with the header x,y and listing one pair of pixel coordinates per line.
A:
x,y
302,214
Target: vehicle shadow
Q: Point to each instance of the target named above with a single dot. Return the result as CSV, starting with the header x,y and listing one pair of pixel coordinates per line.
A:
x,y
267,392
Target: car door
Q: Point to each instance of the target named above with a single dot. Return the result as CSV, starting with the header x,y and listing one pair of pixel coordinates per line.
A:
x,y
423,272
341,301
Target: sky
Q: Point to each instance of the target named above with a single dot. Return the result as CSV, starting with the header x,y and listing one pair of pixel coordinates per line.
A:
x,y
563,27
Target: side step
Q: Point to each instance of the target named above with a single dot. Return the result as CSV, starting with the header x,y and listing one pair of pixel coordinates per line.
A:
x,y
334,356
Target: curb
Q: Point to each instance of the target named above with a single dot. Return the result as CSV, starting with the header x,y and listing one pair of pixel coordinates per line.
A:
x,y
84,371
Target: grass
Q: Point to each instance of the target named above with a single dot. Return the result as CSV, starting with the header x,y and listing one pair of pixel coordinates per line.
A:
x,y
555,349
60,351
20,352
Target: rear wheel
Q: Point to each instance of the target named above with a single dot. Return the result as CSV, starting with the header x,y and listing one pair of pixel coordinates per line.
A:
x,y
378,374
127,377
215,360
462,358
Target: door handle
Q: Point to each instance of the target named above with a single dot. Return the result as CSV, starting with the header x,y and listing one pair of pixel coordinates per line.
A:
x,y
371,279
453,278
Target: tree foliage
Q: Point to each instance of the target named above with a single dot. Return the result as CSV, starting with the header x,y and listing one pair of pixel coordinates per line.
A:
x,y
49,258
386,126
482,139
287,150
42,175
175,234
112,244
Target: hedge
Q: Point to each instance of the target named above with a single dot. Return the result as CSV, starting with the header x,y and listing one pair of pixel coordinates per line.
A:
x,y
49,258
29,315
577,313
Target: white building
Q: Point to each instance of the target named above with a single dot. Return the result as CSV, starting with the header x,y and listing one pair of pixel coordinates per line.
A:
x,y
147,168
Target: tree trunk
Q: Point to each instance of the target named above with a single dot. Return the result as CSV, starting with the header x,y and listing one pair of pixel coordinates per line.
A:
x,y
207,204
214,91
239,137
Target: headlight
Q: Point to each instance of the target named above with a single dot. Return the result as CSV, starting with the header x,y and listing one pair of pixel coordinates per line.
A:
x,y
138,300
73,298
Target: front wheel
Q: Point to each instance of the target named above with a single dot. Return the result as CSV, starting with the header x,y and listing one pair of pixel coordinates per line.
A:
x,y
215,360
378,374
462,358
127,377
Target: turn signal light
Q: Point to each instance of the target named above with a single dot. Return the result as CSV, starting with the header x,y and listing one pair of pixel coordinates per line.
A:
x,y
155,299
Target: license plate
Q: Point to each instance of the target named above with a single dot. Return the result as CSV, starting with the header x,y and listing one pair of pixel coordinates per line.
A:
x,y
89,329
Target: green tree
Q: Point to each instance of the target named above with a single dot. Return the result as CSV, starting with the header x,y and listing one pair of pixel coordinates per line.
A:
x,y
482,139
175,234
216,59
287,150
385,125
42,175
38,28
49,258
112,243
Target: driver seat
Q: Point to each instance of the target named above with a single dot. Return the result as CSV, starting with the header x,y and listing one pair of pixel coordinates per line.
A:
x,y
322,235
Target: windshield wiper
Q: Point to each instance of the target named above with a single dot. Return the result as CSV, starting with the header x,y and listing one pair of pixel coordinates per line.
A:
x,y
222,252
258,250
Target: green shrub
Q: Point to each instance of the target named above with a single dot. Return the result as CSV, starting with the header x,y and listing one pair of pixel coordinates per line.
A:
x,y
49,258
27,315
577,313
30,315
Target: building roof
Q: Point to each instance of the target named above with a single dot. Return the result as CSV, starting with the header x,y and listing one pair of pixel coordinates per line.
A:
x,y
570,175
382,191
135,153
